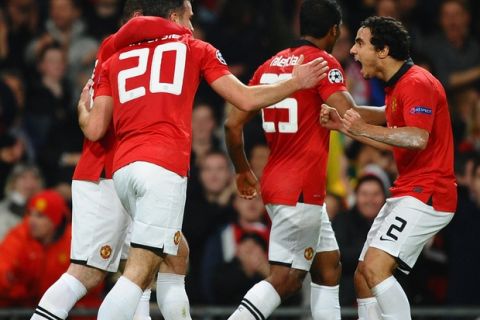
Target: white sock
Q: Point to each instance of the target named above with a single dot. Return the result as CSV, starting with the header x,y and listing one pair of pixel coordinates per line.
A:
x,y
392,300
143,308
324,302
60,298
368,309
258,304
171,296
121,302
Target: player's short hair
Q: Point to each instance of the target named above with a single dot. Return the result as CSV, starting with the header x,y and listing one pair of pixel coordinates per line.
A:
x,y
161,8
130,7
317,17
387,31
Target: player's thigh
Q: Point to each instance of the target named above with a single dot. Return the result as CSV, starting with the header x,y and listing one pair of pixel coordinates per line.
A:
x,y
156,197
99,225
294,234
374,229
177,264
407,228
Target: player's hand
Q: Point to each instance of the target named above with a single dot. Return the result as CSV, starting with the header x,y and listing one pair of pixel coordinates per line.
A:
x,y
309,74
247,185
84,103
353,122
329,118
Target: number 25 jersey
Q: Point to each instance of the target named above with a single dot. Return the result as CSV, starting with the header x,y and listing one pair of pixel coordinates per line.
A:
x,y
298,143
153,84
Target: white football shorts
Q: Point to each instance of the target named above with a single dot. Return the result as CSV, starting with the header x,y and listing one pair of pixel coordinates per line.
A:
x,y
298,233
99,225
402,227
155,198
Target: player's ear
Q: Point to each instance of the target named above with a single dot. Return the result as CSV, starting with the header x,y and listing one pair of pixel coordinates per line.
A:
x,y
383,53
174,17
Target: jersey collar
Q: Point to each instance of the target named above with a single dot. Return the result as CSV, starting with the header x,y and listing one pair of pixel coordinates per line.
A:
x,y
403,69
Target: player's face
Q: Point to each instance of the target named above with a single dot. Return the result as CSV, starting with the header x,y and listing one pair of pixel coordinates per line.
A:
x,y
364,52
185,17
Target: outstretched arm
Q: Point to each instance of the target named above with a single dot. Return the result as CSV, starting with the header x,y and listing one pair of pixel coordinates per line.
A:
x,y
94,120
250,98
247,184
404,137
330,119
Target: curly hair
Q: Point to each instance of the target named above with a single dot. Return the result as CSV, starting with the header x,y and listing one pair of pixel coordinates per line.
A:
x,y
387,31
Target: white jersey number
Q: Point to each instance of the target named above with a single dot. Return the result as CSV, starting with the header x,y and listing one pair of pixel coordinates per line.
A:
x,y
155,86
290,104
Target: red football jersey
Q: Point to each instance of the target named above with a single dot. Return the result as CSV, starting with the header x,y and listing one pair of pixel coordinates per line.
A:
x,y
153,84
97,157
415,98
298,144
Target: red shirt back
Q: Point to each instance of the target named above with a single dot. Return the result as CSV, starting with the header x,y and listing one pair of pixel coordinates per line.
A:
x,y
153,85
97,157
298,143
415,98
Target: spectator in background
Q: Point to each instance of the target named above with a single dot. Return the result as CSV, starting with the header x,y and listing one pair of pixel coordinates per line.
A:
x,y
18,24
222,246
203,138
454,52
351,229
205,211
49,96
463,246
250,265
258,158
103,18
24,181
65,27
36,252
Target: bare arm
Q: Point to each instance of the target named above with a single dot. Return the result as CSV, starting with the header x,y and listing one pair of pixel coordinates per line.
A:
x,y
94,121
249,98
330,118
404,137
343,101
246,181
461,78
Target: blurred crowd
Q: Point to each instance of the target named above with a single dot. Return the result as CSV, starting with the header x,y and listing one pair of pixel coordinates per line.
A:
x,y
47,52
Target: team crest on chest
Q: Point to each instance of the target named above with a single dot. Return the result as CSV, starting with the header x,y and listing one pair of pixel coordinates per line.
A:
x,y
106,251
394,104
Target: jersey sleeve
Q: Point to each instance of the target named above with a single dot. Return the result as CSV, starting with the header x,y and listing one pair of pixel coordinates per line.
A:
x,y
213,65
419,104
334,81
102,86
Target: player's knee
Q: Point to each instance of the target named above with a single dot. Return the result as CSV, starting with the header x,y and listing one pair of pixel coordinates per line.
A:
x,y
287,283
88,276
328,273
368,272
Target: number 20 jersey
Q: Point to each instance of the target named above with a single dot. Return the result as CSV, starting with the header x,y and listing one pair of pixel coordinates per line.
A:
x,y
153,85
298,143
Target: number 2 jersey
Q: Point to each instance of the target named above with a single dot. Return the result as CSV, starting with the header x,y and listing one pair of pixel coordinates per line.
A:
x,y
153,84
297,165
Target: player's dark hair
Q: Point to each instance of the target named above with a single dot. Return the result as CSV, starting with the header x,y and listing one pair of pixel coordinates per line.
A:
x,y
388,32
130,7
161,8
317,17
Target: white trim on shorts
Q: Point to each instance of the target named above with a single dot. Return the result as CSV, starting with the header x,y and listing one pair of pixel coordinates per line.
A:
x,y
155,198
402,227
298,233
99,225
